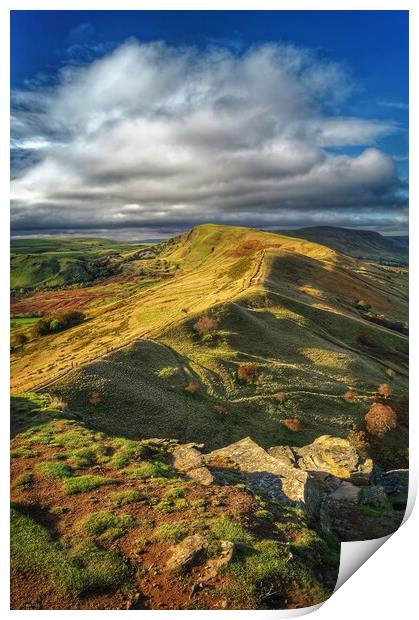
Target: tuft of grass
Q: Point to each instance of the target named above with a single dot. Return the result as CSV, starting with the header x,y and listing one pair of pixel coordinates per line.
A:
x,y
149,469
22,453
53,470
22,482
224,528
175,492
172,532
81,484
122,498
82,457
264,514
108,524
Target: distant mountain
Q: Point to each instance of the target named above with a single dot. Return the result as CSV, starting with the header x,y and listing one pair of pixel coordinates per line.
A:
x,y
364,244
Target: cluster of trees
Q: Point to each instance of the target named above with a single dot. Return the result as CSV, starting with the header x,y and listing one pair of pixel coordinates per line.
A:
x,y
58,322
206,326
247,372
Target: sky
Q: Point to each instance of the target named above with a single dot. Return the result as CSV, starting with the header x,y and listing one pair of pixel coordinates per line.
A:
x,y
142,124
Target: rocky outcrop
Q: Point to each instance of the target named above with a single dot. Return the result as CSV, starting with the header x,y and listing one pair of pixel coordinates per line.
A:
x,y
187,553
327,478
187,459
335,456
263,472
216,564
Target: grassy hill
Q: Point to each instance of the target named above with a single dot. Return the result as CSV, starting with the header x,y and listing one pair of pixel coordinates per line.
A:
x,y
56,262
363,244
215,335
289,306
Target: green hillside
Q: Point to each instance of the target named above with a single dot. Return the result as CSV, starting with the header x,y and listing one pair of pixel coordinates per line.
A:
x,y
57,262
286,306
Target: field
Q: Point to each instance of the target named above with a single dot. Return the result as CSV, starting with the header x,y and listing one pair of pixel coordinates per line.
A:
x,y
212,336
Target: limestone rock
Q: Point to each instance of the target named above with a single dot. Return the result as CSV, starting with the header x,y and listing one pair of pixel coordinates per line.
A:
x,y
284,455
263,472
187,553
346,492
333,455
187,459
214,565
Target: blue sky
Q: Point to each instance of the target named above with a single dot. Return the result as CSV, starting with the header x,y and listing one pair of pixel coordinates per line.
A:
x,y
321,97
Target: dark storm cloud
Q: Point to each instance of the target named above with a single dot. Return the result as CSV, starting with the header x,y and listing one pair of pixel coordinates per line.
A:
x,y
152,137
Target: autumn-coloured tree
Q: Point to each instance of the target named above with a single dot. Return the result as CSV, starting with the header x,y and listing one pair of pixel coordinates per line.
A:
x,y
221,409
358,439
292,424
192,388
380,419
95,398
384,390
390,373
280,396
350,395
247,371
206,326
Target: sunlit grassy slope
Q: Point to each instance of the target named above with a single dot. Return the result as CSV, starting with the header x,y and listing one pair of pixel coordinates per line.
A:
x,y
285,304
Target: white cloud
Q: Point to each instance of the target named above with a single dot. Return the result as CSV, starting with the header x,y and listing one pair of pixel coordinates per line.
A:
x,y
152,133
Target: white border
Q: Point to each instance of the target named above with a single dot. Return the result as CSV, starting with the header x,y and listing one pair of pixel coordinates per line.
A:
x,y
386,585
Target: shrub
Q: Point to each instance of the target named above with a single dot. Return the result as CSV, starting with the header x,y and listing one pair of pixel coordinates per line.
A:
x,y
350,395
221,409
358,439
380,419
390,373
206,326
247,372
54,471
280,396
384,390
193,388
95,398
58,322
81,484
292,424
